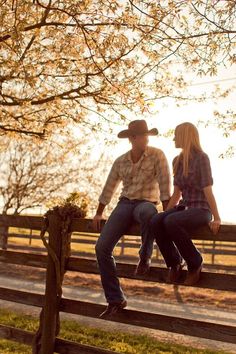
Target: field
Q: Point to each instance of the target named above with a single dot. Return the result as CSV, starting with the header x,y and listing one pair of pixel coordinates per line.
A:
x,y
115,341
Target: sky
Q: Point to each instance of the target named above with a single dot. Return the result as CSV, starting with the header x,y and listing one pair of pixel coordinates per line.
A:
x,y
212,140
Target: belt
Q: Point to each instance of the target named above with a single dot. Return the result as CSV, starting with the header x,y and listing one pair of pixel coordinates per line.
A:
x,y
136,200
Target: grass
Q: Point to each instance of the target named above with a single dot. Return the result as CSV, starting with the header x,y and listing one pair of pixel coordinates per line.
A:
x,y
72,330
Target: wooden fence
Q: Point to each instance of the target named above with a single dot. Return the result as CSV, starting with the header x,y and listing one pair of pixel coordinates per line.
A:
x,y
50,343
125,247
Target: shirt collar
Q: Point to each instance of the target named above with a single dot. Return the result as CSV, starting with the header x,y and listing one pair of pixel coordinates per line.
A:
x,y
128,155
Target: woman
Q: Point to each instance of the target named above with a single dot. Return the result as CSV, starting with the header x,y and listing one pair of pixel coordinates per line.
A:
x,y
193,182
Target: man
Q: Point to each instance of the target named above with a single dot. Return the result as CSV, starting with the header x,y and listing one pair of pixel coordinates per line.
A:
x,y
144,172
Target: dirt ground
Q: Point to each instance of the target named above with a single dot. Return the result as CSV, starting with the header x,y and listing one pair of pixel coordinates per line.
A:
x,y
153,291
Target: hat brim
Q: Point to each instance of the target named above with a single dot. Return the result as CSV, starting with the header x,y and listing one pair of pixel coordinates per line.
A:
x,y
127,133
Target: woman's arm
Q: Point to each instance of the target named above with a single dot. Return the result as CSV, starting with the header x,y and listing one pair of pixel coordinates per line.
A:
x,y
215,223
174,198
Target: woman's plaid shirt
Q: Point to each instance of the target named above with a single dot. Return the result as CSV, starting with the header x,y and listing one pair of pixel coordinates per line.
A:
x,y
148,179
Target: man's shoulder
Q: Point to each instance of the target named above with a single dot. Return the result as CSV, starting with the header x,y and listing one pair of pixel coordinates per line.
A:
x,y
122,157
153,151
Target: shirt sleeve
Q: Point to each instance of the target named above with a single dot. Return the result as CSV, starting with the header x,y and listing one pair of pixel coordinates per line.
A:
x,y
111,184
175,179
163,176
205,172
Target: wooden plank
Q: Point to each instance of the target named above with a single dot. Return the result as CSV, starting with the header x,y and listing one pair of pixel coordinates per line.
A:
x,y
22,221
227,231
23,258
61,346
16,334
219,249
26,248
217,281
172,324
27,237
131,241
217,252
21,297
68,347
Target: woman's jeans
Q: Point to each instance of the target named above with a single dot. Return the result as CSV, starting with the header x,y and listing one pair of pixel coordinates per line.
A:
x,y
172,230
126,212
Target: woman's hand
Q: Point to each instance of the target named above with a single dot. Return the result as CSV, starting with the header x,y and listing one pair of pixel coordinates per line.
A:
x,y
215,226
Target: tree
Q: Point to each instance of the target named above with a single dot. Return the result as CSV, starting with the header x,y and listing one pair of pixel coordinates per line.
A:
x,y
34,173
90,62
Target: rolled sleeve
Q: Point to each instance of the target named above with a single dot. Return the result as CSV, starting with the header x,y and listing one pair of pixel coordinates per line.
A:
x,y
205,171
163,177
111,184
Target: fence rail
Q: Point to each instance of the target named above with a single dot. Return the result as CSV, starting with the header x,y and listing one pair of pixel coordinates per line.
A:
x,y
214,247
203,329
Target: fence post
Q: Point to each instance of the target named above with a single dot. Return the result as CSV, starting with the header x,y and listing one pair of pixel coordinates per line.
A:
x,y
213,252
122,246
51,305
3,236
30,237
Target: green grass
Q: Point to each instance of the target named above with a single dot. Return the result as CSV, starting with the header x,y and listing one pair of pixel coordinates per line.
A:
x,y
72,330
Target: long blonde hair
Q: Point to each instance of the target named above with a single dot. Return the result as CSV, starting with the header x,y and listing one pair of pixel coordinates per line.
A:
x,y
188,138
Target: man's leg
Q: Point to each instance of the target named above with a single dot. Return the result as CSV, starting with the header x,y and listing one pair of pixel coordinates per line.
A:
x,y
143,213
115,227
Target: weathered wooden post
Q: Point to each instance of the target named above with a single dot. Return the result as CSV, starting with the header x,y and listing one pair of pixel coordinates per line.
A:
x,y
3,236
30,237
57,222
122,246
52,299
213,252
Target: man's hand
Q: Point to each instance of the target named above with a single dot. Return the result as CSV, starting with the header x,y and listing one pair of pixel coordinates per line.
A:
x,y
97,222
164,204
214,226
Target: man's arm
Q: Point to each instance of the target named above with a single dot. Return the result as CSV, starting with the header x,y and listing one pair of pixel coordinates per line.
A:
x,y
163,178
110,186
98,217
164,204
174,198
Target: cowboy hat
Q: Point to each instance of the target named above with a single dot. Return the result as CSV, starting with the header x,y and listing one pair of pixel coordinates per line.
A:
x,y
137,127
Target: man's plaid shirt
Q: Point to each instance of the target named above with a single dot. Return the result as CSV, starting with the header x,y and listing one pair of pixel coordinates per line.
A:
x,y
148,179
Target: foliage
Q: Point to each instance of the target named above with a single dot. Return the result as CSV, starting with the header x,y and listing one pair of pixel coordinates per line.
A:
x,y
85,61
115,341
35,172
75,205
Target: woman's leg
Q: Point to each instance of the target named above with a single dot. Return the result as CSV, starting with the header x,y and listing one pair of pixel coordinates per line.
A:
x,y
166,246
178,227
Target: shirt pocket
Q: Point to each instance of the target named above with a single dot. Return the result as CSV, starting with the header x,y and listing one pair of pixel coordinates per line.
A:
x,y
147,172
126,174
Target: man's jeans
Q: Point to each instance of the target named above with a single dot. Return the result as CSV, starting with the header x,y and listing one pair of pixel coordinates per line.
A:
x,y
126,212
172,230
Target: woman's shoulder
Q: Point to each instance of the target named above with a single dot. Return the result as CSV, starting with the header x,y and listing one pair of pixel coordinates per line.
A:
x,y
202,156
199,154
177,158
